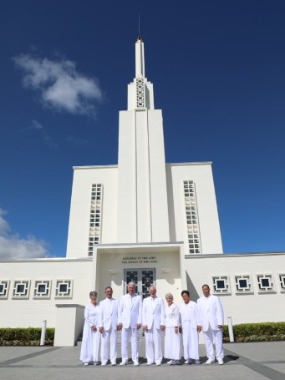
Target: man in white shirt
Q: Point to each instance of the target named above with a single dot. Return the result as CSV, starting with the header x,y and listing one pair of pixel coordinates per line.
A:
x,y
189,327
153,324
108,327
130,320
212,321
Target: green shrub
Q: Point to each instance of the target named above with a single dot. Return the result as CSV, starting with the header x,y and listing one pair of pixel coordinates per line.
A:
x,y
25,336
257,332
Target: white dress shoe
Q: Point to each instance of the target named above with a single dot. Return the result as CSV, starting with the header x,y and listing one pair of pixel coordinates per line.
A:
x,y
123,362
113,363
86,363
210,361
220,361
104,363
136,363
187,361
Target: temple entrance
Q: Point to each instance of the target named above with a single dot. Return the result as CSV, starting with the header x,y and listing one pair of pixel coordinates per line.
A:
x,y
143,278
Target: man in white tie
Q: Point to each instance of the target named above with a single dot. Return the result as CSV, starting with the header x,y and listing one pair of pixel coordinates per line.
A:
x,y
130,319
212,319
108,327
153,324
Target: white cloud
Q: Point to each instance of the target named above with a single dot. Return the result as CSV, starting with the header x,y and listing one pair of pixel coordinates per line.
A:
x,y
36,125
12,246
59,85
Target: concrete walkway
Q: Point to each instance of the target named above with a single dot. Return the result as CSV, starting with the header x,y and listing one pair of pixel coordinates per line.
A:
x,y
248,361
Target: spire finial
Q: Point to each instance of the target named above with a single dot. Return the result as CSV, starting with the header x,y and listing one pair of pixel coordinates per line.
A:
x,y
139,25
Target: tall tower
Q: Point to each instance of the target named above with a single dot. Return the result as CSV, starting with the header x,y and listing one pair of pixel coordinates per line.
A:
x,y
142,190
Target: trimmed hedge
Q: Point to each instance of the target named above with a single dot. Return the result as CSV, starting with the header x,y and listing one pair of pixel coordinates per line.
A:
x,y
25,336
257,332
246,332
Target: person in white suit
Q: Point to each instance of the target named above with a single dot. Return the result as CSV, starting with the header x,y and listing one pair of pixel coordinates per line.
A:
x,y
212,321
153,317
129,322
189,326
108,327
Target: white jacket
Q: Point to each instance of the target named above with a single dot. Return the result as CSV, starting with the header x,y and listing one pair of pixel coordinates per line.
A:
x,y
211,312
153,312
108,314
130,311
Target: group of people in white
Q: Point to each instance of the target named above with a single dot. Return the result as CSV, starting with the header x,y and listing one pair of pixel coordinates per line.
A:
x,y
103,321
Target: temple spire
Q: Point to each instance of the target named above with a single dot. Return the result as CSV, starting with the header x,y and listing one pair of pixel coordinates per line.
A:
x,y
140,63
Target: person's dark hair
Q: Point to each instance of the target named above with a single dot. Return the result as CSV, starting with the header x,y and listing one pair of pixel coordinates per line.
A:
x,y
185,292
93,293
206,285
108,287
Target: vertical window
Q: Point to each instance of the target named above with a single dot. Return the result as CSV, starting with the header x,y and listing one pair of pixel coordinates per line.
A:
x,y
140,89
192,220
95,217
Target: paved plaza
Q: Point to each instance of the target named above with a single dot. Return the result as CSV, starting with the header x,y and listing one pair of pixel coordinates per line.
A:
x,y
242,361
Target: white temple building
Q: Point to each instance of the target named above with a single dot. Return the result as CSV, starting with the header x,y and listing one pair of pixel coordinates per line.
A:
x,y
143,220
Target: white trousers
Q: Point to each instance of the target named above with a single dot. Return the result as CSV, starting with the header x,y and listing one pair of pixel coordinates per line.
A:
x,y
153,348
126,333
210,336
109,346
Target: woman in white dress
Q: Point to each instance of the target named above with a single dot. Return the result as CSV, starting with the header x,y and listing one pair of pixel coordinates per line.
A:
x,y
91,337
172,337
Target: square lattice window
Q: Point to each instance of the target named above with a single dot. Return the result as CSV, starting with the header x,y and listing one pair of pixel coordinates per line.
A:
x,y
243,284
42,289
21,289
281,278
221,284
4,289
63,289
265,283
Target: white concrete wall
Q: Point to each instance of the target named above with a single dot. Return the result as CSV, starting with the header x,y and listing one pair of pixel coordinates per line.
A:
x,y
159,201
164,258
201,174
174,272
243,308
126,220
142,191
78,229
31,312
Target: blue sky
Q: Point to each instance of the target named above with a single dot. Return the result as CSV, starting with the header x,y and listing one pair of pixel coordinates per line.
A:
x,y
218,69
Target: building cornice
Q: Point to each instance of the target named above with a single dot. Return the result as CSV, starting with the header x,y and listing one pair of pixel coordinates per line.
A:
x,y
47,260
188,163
94,167
231,255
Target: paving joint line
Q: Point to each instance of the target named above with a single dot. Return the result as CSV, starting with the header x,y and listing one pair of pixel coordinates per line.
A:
x,y
28,356
270,373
